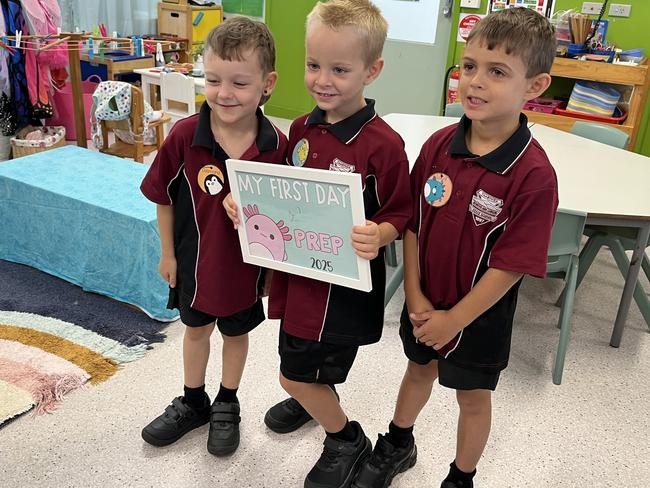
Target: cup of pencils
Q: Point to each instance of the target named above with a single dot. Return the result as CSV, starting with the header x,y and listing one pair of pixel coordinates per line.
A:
x,y
580,26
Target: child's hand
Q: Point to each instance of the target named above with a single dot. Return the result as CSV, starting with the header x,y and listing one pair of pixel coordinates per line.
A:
x,y
438,331
366,240
419,308
167,268
231,209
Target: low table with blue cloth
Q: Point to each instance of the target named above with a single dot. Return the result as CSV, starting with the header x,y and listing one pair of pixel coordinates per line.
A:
x,y
79,215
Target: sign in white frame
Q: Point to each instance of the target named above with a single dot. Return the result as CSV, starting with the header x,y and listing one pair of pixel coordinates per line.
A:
x,y
299,220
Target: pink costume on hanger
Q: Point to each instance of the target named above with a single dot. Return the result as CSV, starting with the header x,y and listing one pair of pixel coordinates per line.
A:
x,y
43,17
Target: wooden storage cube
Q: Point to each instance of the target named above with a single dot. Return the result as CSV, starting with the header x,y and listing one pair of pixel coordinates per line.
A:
x,y
179,21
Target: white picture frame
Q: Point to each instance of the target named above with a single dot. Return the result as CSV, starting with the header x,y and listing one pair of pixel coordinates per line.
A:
x,y
305,213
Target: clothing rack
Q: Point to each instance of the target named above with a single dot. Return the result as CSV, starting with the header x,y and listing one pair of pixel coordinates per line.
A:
x,y
74,40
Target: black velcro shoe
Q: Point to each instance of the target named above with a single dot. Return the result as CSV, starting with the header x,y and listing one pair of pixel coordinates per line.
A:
x,y
286,416
457,484
223,438
176,421
340,461
386,462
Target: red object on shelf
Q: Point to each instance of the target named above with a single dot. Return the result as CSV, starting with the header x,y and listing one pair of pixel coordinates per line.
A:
x,y
544,105
618,117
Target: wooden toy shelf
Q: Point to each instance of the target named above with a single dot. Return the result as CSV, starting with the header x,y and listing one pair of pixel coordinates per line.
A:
x,y
637,78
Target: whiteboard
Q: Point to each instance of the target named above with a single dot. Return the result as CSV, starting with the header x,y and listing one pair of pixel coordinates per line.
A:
x,y
411,20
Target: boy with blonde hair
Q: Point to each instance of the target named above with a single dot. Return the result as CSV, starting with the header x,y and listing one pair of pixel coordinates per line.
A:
x,y
201,258
485,186
323,325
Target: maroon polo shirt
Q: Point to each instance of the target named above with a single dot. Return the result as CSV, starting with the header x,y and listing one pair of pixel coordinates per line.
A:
x,y
499,211
189,173
363,143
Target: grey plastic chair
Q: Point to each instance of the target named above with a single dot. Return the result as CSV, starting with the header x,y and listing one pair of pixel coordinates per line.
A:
x,y
454,110
562,263
617,239
601,133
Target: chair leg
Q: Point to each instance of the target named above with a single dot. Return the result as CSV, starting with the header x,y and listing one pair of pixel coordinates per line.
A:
x,y
587,256
645,264
160,135
393,283
623,263
564,323
391,254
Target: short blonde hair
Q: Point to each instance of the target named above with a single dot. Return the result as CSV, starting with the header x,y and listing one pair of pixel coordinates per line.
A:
x,y
364,16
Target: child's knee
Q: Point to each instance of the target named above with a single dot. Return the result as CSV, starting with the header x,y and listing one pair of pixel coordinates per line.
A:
x,y
422,373
293,388
235,340
474,401
199,334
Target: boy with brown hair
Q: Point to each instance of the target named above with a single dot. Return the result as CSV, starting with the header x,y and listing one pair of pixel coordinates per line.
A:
x,y
201,258
323,325
485,186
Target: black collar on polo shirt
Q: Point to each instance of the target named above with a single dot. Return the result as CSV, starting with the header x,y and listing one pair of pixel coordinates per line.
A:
x,y
347,129
267,138
503,157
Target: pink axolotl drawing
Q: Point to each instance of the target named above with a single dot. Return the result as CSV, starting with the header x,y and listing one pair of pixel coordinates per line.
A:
x,y
266,238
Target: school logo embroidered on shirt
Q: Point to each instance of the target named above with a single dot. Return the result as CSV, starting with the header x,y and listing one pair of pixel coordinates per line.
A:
x,y
485,208
210,179
338,165
300,153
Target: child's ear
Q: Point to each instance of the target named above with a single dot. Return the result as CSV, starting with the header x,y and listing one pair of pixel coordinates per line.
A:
x,y
374,70
537,85
269,82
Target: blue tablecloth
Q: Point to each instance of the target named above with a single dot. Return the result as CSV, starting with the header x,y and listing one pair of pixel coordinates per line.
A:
x,y
79,215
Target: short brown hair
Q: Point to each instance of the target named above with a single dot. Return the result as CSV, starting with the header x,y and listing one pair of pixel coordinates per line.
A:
x,y
364,16
522,32
230,39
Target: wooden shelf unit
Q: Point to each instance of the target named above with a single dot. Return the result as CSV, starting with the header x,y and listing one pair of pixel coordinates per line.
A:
x,y
635,77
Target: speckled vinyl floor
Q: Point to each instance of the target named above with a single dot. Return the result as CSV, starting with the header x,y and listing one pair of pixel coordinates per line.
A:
x,y
592,431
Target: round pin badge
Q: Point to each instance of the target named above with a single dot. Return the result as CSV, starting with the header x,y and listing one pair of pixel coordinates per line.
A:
x,y
300,152
210,179
437,189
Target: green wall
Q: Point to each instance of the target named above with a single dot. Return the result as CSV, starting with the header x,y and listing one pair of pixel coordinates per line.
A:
x,y
625,32
286,20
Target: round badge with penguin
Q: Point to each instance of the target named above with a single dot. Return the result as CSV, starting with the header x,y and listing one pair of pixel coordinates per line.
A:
x,y
300,153
210,179
437,189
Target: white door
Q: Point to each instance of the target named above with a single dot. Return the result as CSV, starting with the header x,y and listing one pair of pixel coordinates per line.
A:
x,y
413,77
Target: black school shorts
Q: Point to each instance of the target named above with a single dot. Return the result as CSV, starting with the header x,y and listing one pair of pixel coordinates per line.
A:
x,y
308,361
237,324
449,374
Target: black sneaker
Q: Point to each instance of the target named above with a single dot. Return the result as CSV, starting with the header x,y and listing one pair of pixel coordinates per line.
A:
x,y
386,462
287,416
457,484
223,438
339,461
176,421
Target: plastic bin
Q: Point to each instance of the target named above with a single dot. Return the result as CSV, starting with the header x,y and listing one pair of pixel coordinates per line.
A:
x,y
618,117
544,105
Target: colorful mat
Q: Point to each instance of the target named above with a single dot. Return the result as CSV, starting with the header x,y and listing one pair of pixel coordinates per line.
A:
x,y
54,338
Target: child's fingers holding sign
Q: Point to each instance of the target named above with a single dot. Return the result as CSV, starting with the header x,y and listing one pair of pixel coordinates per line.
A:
x,y
231,209
366,240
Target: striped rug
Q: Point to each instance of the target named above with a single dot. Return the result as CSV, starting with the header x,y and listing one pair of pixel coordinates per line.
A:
x,y
55,338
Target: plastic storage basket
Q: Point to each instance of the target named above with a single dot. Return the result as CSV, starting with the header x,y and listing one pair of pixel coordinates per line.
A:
x,y
53,137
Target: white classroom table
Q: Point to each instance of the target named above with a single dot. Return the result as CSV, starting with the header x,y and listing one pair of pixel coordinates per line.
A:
x,y
151,76
611,185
